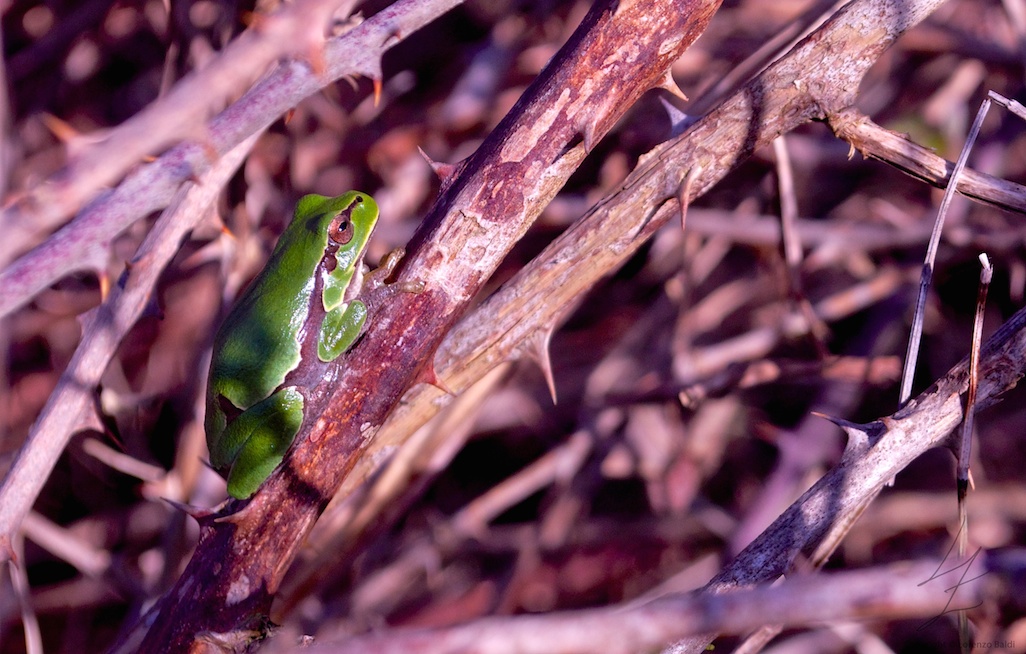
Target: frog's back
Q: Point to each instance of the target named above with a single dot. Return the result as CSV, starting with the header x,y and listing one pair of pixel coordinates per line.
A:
x,y
258,342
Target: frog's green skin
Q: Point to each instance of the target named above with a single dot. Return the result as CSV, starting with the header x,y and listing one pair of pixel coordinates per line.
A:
x,y
251,417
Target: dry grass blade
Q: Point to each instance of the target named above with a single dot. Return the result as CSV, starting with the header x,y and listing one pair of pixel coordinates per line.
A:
x,y
965,440
916,334
71,406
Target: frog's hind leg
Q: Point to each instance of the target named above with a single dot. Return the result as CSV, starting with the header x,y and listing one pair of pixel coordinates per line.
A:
x,y
262,434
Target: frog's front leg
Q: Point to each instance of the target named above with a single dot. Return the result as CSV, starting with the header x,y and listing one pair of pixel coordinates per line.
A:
x,y
344,324
376,278
340,329
258,438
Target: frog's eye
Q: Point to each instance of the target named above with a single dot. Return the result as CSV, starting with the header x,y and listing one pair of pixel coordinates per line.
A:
x,y
340,230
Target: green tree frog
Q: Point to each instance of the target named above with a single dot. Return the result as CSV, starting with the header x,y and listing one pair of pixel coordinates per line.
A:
x,y
310,282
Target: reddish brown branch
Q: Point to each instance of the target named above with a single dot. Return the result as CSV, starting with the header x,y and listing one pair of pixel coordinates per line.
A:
x,y
619,51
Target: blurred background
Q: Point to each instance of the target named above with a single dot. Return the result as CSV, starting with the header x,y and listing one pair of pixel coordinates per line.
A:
x,y
685,380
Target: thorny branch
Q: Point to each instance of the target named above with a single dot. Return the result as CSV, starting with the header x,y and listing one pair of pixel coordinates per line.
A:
x,y
486,204
816,81
83,243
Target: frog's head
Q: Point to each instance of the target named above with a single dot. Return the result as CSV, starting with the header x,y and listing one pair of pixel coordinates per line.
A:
x,y
348,221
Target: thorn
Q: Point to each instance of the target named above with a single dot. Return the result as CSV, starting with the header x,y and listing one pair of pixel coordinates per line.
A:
x,y
394,34
679,120
86,319
8,549
225,231
589,137
377,91
232,518
684,193
538,349
444,171
841,422
198,513
670,86
254,20
104,279
859,435
92,420
352,82
428,375
596,123
315,59
63,130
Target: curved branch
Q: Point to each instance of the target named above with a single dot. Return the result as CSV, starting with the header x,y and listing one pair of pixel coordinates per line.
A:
x,y
83,243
